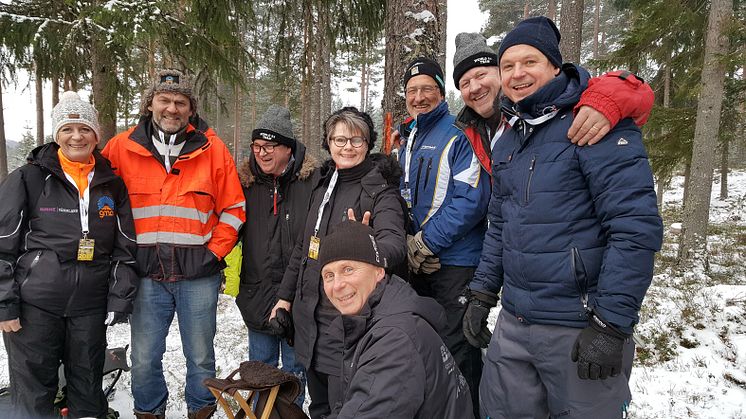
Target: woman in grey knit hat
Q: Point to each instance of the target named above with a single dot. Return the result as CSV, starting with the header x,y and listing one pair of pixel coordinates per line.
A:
x,y
66,266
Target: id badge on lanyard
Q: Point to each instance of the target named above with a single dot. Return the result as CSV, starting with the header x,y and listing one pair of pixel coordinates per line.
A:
x,y
315,242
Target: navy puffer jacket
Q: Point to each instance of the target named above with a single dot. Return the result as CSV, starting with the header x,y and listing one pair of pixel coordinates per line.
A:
x,y
571,228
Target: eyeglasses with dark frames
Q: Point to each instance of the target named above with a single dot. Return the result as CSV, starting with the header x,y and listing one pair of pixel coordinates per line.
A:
x,y
341,141
268,148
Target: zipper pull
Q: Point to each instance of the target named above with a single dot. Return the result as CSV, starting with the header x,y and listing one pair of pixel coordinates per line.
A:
x,y
533,163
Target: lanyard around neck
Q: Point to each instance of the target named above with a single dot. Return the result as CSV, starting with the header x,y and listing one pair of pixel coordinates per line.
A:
x,y
83,202
410,151
327,196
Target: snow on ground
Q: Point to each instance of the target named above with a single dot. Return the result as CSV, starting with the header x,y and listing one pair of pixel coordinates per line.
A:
x,y
691,360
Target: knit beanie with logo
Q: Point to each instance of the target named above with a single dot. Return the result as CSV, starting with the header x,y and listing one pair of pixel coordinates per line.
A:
x,y
471,51
275,126
72,109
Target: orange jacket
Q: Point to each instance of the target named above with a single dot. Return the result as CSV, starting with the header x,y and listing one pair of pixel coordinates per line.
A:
x,y
200,203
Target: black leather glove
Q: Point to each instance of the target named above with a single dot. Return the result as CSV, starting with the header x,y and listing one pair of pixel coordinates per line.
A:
x,y
475,326
282,325
598,350
114,317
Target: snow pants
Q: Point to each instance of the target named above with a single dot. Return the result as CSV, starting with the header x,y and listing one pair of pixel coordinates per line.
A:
x,y
528,374
34,356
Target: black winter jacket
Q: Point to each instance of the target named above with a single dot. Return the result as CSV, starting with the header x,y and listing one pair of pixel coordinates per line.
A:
x,y
40,228
276,210
395,364
301,283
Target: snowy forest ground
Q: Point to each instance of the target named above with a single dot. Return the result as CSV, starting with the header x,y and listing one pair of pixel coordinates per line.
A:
x,y
691,358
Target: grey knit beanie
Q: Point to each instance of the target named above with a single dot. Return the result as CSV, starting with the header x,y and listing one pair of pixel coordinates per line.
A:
x,y
72,109
168,80
276,126
471,51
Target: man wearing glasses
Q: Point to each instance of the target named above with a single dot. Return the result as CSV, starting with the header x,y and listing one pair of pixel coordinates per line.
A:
x,y
447,193
276,181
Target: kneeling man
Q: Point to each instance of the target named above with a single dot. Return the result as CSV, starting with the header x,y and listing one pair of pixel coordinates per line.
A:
x,y
395,364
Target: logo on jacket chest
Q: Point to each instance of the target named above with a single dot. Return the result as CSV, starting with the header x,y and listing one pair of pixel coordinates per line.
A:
x,y
105,207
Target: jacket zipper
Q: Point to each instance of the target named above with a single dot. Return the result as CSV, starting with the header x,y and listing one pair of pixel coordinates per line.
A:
x,y
582,283
427,173
417,184
75,289
33,263
274,198
530,176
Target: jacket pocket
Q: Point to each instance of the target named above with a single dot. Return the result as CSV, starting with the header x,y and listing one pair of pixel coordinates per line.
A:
x,y
200,192
529,179
581,276
24,274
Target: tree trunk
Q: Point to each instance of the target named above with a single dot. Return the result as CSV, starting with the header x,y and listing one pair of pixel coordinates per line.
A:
x,y
552,12
39,82
596,30
104,80
659,191
55,91
406,39
364,80
526,9
306,80
236,120
693,245
724,169
3,149
571,28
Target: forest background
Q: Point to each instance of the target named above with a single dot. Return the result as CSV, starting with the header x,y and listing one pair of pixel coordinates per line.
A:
x,y
314,56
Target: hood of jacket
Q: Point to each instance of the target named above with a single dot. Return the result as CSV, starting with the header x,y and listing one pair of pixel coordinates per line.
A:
x,y
303,166
391,297
45,156
560,93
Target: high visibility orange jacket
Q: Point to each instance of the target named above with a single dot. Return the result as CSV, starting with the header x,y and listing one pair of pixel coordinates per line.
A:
x,y
184,218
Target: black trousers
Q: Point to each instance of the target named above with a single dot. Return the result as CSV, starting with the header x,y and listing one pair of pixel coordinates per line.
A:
x,y
446,286
325,391
34,356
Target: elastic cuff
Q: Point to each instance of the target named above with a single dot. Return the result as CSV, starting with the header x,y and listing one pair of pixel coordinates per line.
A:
x,y
488,299
602,103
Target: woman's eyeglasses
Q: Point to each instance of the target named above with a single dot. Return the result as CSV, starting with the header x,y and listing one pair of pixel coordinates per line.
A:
x,y
340,141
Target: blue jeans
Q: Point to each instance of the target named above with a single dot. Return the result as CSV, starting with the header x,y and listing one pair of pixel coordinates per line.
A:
x,y
267,348
194,301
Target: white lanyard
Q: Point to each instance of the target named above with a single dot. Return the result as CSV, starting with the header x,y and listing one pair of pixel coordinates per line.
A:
x,y
167,156
83,202
535,121
408,160
327,196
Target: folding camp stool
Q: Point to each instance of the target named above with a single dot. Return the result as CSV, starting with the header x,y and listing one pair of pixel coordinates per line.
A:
x,y
270,392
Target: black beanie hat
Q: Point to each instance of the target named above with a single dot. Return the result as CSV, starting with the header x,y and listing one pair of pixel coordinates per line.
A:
x,y
427,67
275,126
539,32
471,51
350,240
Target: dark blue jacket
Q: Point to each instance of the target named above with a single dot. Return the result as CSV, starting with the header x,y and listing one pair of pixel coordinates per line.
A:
x,y
449,193
570,228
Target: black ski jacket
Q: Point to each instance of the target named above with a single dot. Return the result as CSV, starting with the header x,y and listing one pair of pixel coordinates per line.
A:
x,y
395,364
276,210
40,228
